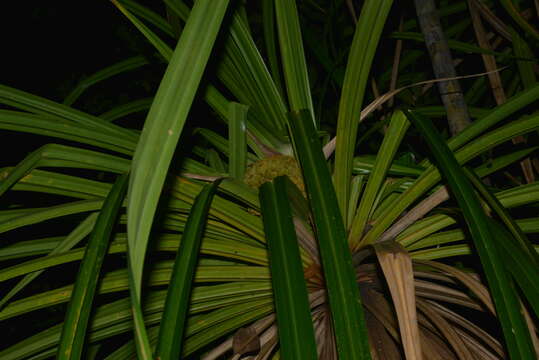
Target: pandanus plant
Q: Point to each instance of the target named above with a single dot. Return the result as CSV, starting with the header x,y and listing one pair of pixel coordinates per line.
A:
x,y
276,235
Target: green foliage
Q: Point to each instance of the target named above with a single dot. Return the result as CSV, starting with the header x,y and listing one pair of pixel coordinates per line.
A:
x,y
253,91
296,334
171,330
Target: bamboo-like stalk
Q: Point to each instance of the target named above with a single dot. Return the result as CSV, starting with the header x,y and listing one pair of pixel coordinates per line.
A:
x,y
442,63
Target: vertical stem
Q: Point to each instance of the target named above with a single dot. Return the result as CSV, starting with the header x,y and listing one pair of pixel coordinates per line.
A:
x,y
442,63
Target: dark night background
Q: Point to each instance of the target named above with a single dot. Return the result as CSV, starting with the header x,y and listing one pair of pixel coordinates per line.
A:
x,y
47,46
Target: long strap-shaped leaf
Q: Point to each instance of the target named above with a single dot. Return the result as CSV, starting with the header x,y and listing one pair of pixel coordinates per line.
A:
x,y
514,12
62,113
55,155
520,264
499,113
132,63
165,122
44,126
79,233
268,23
504,294
241,60
368,30
340,276
237,140
80,304
397,128
296,333
397,267
177,303
521,241
159,138
293,56
431,176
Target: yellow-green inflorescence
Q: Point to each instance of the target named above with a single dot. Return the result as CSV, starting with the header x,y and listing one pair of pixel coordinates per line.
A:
x,y
269,168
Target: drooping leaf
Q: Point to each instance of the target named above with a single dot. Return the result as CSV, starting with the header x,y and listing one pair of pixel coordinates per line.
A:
x,y
165,122
505,297
132,63
520,264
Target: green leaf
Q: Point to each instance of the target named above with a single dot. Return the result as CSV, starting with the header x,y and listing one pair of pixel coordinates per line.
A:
x,y
505,297
62,113
519,195
45,126
520,264
268,22
431,176
127,109
159,44
115,318
54,155
499,162
132,63
364,164
392,140
525,67
293,56
150,16
159,138
521,241
221,143
214,161
514,12
79,233
367,34
171,330
356,189
499,113
34,216
245,75
164,125
296,333
142,341
237,140
227,211
80,305
339,273
453,44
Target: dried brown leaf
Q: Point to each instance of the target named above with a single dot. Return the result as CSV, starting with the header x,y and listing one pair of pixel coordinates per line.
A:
x,y
397,267
478,333
245,341
449,333
469,281
383,347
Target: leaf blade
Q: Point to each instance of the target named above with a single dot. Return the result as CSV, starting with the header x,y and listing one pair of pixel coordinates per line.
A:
x,y
344,299
80,304
164,124
296,333
505,297
170,339
293,56
366,36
